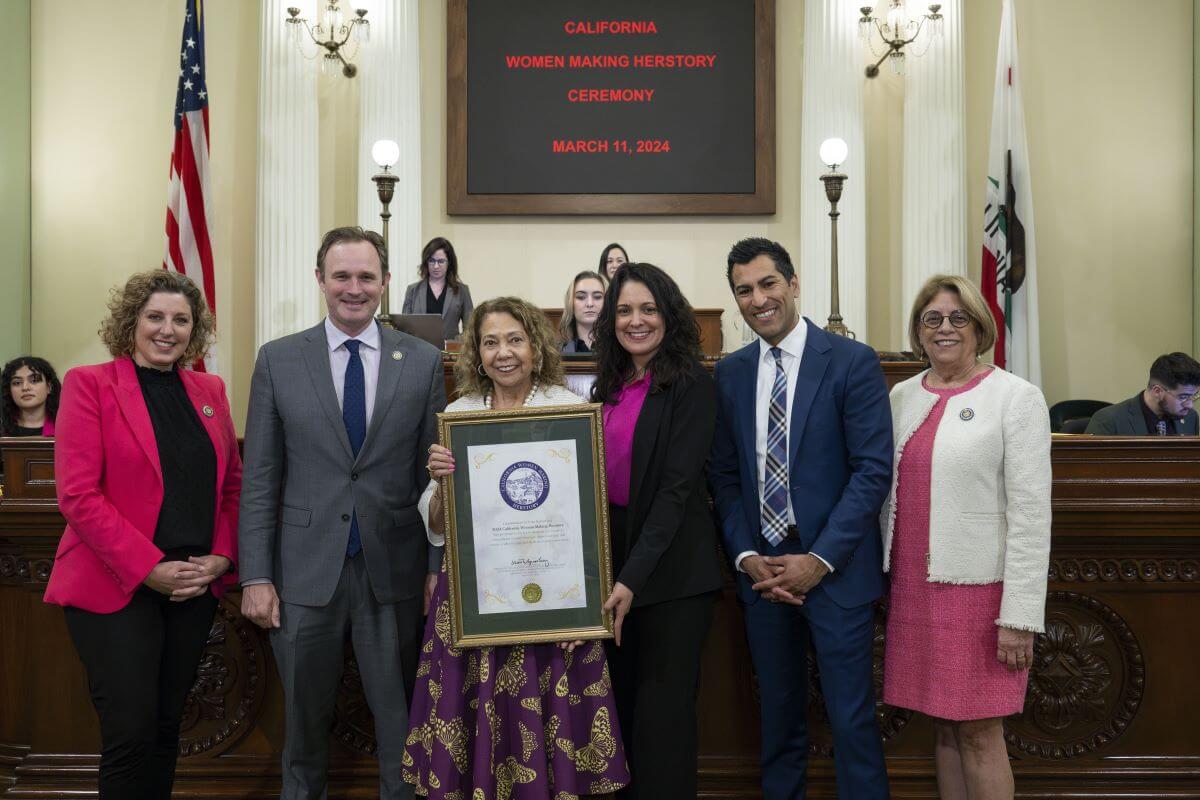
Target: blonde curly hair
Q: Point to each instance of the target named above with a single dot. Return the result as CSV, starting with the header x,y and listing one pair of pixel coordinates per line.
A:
x,y
547,363
126,304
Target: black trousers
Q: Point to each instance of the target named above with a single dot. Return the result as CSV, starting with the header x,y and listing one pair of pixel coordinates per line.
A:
x,y
656,679
141,662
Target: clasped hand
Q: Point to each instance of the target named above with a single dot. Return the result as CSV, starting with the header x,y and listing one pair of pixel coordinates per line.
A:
x,y
784,579
183,580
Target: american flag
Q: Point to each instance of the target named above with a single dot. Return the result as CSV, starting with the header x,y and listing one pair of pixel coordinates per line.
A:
x,y
189,249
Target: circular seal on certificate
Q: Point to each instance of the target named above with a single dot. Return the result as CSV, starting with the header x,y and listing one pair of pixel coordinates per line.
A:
x,y
524,486
531,593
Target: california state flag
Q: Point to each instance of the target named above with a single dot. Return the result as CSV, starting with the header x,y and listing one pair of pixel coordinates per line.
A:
x,y
1009,280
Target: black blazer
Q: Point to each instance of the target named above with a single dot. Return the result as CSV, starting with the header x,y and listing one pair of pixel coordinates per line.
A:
x,y
672,538
1126,419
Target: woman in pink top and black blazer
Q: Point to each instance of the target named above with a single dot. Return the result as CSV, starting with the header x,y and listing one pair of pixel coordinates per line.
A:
x,y
149,477
660,413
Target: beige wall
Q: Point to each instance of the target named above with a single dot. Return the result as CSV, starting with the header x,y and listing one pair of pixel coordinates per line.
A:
x,y
1114,228
102,135
1110,140
14,182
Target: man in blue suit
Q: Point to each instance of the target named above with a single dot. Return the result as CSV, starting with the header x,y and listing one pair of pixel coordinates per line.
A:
x,y
801,463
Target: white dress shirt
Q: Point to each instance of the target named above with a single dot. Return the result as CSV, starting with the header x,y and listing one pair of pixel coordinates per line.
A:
x,y
791,351
339,359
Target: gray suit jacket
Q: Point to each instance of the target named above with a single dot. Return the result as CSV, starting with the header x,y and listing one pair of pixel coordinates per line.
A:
x,y
456,308
1126,419
301,482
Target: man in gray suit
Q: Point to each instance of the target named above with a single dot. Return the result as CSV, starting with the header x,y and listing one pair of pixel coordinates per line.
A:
x,y
1163,408
330,542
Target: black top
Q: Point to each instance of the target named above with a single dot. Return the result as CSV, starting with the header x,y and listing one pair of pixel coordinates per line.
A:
x,y
20,431
434,305
189,467
670,536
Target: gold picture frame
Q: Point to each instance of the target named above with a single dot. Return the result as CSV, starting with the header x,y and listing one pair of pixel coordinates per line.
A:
x,y
565,539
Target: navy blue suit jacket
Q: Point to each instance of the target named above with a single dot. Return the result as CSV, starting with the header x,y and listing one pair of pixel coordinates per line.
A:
x,y
840,457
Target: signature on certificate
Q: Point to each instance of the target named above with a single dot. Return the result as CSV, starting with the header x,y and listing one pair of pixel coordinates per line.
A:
x,y
480,460
564,454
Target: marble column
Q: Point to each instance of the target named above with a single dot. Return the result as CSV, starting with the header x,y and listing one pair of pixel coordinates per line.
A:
x,y
390,108
287,231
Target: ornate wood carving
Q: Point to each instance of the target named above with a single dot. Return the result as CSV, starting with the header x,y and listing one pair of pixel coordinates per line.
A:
x,y
18,570
353,724
1147,570
891,720
230,683
1086,683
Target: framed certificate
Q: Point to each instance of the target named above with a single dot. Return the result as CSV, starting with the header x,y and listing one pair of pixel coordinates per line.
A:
x,y
528,553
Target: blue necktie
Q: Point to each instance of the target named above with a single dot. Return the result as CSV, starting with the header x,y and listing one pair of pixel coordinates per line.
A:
x,y
775,482
354,415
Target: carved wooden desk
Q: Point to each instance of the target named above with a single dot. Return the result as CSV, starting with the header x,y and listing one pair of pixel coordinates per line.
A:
x,y
1111,708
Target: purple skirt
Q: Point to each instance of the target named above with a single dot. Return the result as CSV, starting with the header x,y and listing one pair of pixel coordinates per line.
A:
x,y
523,722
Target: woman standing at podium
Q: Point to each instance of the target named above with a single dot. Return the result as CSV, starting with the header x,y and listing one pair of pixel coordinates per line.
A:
x,y
148,474
440,291
966,537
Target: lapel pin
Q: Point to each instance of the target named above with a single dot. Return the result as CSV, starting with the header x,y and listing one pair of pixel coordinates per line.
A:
x,y
966,415
397,355
208,411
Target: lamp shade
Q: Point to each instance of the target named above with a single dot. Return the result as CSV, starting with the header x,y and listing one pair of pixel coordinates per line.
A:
x,y
833,152
385,152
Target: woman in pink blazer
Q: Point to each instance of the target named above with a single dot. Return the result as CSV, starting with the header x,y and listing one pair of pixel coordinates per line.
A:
x,y
149,476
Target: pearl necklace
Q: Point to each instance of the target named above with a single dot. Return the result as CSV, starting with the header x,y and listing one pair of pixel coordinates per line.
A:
x,y
487,398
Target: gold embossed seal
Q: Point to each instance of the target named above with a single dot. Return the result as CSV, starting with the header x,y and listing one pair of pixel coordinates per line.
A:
x,y
531,593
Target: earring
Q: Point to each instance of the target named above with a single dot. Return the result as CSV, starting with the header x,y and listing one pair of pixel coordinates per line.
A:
x,y
479,369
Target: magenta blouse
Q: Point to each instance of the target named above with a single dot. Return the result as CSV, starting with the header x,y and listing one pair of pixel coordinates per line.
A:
x,y
620,419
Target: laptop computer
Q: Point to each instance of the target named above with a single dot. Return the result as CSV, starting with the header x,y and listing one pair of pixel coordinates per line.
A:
x,y
423,326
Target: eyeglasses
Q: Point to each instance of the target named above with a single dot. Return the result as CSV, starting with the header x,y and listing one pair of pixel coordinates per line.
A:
x,y
437,262
1182,398
933,319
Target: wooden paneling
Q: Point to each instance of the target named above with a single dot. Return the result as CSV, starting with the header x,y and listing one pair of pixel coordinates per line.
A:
x,y
1110,709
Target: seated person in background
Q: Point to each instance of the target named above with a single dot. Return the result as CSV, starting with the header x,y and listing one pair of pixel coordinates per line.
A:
x,y
31,397
611,258
581,306
1163,408
439,291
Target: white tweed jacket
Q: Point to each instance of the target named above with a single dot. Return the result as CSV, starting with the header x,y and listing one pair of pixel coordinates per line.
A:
x,y
544,396
989,508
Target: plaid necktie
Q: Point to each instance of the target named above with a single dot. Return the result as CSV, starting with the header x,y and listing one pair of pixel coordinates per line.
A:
x,y
775,482
354,415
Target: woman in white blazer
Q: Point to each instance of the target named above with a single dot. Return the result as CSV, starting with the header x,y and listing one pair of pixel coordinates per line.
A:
x,y
966,538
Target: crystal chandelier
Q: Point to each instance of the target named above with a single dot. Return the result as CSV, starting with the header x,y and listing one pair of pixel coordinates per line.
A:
x,y
897,31
331,33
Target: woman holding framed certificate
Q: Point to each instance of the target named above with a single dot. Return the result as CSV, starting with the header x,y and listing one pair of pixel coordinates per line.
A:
x,y
660,411
487,719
